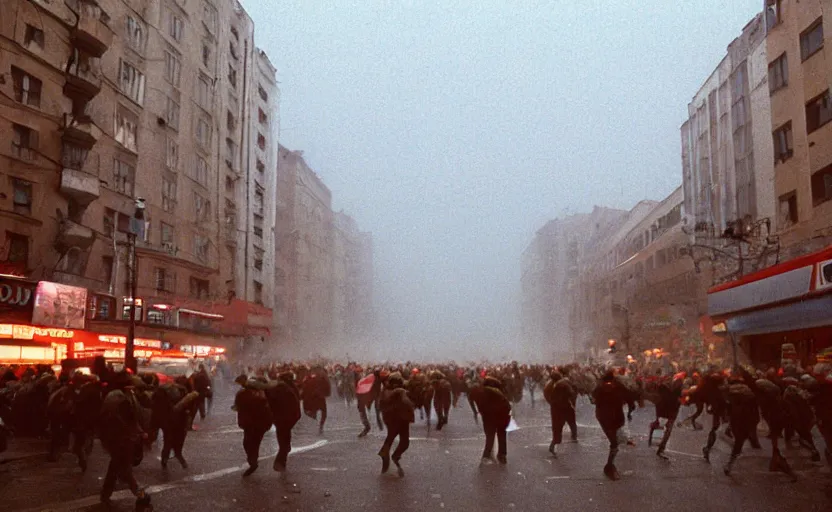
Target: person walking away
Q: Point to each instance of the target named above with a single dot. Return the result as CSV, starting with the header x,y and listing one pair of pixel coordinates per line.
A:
x,y
560,394
610,396
284,403
121,435
397,411
315,389
495,409
254,417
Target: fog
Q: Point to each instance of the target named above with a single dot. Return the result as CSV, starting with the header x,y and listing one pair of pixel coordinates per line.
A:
x,y
453,132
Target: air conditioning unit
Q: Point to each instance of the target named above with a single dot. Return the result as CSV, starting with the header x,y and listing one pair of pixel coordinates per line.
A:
x,y
824,275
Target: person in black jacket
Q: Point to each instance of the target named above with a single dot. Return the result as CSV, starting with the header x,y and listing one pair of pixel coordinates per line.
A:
x,y
610,396
254,417
560,395
495,410
398,413
284,403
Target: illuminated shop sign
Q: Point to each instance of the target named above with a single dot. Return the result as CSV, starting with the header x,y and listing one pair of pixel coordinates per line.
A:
x,y
28,332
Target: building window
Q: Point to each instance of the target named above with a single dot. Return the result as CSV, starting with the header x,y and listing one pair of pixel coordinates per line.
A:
x,y
123,175
172,154
177,27
202,208
233,50
262,117
26,88
773,13
126,126
258,231
22,196
209,17
201,171
235,33
203,133
73,156
73,262
811,40
229,184
131,82
201,248
172,114
261,167
258,201
263,94
204,93
168,194
106,277
818,112
261,141
166,233
232,76
109,222
822,185
33,36
258,293
25,142
787,215
206,56
230,153
199,288
18,248
230,122
135,34
173,68
778,73
783,143
165,281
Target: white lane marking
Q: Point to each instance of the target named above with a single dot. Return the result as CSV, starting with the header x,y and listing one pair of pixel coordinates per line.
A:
x,y
155,489
700,456
323,469
557,478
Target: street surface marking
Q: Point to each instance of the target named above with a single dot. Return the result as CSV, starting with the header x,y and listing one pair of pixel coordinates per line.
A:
x,y
156,489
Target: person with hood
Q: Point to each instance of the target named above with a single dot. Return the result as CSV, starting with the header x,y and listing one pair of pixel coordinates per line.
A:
x,y
561,397
254,417
495,410
442,397
121,432
314,392
610,397
397,411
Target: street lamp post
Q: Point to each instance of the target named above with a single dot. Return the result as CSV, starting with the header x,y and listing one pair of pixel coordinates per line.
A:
x,y
136,229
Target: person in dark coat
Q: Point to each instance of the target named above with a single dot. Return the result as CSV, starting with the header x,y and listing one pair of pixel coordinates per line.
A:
x,y
121,433
442,398
171,410
495,409
397,411
610,396
743,416
201,383
560,395
711,394
667,398
315,390
254,417
367,400
284,403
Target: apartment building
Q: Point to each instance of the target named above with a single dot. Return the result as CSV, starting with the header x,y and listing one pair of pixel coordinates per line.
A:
x,y
550,267
140,101
801,108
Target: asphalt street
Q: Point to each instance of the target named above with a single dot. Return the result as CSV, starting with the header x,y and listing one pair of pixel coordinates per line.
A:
x,y
337,471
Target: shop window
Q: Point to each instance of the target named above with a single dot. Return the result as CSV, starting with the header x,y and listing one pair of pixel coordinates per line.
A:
x,y
125,310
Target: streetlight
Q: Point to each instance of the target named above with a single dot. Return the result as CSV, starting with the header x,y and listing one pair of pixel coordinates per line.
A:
x,y
136,229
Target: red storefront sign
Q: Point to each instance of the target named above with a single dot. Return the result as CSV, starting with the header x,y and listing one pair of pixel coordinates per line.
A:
x,y
17,299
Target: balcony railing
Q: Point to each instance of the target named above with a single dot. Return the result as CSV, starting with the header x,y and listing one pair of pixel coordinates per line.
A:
x,y
92,33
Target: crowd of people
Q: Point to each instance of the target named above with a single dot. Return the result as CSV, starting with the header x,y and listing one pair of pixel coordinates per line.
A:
x,y
126,412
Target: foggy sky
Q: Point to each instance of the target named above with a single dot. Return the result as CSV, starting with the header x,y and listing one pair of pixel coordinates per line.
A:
x,y
453,132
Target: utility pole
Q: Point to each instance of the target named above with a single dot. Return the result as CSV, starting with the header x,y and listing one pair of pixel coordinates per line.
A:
x,y
136,228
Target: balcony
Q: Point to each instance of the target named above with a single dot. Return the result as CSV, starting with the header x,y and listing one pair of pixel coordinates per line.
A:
x,y
92,32
72,234
81,186
83,77
76,280
80,131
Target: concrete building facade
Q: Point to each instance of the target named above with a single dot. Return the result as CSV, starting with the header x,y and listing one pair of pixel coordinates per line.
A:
x,y
109,101
801,108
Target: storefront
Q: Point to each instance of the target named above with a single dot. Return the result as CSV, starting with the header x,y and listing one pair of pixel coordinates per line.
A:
x,y
789,303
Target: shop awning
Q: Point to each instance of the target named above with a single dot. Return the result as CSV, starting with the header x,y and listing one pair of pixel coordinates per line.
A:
x,y
806,314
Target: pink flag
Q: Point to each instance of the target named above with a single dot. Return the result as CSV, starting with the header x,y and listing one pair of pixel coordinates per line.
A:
x,y
365,385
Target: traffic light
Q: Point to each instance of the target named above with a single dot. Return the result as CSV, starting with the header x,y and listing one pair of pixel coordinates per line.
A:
x,y
613,349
